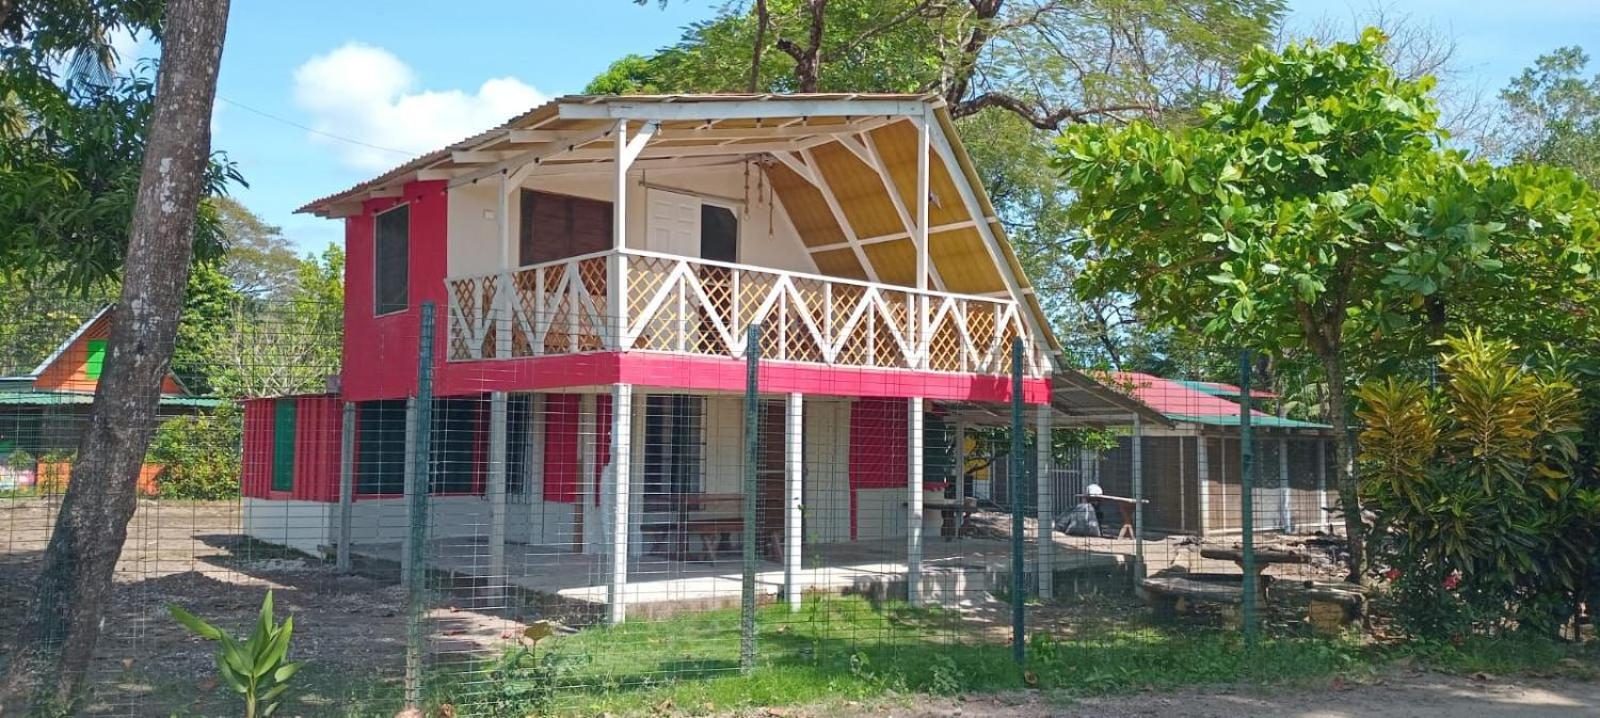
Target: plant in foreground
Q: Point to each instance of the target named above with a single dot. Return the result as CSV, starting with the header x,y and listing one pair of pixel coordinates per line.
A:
x,y
255,667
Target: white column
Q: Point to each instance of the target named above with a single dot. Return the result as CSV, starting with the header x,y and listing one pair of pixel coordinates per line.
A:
x,y
916,417
534,482
616,500
500,318
347,480
587,445
496,494
1322,486
616,263
1202,472
794,465
1045,529
1285,510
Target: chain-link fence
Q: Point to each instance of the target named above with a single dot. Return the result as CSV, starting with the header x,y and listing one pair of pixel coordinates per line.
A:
x,y
500,512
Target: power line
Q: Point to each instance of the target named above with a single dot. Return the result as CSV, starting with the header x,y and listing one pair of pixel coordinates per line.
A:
x,y
315,131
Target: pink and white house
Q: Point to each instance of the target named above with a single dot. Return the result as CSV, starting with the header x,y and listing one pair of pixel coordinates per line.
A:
x,y
596,263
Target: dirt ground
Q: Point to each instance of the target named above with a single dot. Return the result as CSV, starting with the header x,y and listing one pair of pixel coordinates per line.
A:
x,y
192,554
1409,695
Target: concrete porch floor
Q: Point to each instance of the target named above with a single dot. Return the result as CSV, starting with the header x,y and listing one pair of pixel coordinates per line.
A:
x,y
953,572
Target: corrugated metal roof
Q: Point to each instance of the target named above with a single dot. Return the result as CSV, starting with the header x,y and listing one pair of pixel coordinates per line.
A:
x,y
1182,401
1216,388
63,398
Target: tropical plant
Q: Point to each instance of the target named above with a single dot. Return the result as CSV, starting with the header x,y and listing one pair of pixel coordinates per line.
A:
x,y
200,455
1320,220
1477,510
257,667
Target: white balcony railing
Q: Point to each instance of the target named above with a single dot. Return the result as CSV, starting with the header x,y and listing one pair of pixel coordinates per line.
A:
x,y
681,305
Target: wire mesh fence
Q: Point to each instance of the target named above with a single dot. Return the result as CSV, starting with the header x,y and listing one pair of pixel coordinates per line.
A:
x,y
508,516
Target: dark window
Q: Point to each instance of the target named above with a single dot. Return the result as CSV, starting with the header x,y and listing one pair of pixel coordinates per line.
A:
x,y
458,429
391,260
719,233
283,445
557,226
381,447
519,413
672,449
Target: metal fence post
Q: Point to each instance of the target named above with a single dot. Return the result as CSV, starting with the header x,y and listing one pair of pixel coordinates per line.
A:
x,y
347,459
417,539
1019,470
752,454
1247,501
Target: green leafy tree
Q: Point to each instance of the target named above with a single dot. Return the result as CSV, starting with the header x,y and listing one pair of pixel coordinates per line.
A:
x,y
1319,211
1553,113
288,345
258,259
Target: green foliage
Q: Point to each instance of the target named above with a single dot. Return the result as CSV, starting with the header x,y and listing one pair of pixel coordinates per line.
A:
x,y
1473,488
257,667
199,454
1553,113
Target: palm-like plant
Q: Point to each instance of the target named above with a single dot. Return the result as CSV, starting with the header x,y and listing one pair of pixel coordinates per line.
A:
x,y
255,668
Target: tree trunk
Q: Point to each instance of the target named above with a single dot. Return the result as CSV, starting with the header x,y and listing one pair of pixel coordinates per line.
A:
x,y
1344,456
763,18
75,582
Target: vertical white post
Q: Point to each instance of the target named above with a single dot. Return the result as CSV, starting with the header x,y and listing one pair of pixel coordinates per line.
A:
x,y
496,491
409,548
1322,486
616,500
1203,479
587,445
916,417
1285,510
501,316
347,481
534,482
794,465
1044,530
616,263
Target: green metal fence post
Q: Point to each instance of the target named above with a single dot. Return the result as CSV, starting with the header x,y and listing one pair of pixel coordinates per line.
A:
x,y
752,448
1019,469
417,540
1247,501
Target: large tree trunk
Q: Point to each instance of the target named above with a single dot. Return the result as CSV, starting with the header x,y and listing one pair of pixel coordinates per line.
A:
x,y
76,580
1344,456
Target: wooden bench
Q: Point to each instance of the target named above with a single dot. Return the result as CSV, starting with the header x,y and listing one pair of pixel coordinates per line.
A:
x,y
707,522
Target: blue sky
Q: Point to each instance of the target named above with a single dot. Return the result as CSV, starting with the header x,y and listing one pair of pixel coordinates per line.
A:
x,y
403,76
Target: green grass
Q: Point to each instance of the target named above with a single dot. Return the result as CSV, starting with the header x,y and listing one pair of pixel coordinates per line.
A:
x,y
849,649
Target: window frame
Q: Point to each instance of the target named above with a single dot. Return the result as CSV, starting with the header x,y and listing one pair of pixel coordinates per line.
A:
x,y
376,300
734,208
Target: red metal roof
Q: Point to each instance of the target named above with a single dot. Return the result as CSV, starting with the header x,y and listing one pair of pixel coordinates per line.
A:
x,y
1170,397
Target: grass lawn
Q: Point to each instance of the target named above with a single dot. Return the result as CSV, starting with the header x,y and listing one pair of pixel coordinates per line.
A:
x,y
841,649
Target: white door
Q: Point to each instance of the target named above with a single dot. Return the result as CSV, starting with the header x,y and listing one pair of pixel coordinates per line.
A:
x,y
673,226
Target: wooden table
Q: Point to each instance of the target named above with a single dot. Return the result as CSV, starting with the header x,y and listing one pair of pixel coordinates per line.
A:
x,y
1264,557
1124,504
953,514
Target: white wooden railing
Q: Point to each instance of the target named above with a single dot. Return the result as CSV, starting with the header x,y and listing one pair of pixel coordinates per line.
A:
x,y
681,305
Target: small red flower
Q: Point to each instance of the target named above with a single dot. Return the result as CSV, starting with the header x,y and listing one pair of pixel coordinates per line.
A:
x,y
1451,581
1392,574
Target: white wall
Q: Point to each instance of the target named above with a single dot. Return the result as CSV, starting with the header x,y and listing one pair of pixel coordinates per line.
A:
x,y
766,238
301,525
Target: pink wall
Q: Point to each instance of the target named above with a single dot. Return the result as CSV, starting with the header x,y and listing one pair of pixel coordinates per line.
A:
x,y
380,353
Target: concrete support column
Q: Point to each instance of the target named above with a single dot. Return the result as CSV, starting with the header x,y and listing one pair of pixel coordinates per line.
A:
x,y
794,471
916,415
1285,510
496,494
1045,529
1202,470
1325,517
616,501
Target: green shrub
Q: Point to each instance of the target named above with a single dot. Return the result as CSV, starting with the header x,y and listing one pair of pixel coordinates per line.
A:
x,y
200,455
1481,518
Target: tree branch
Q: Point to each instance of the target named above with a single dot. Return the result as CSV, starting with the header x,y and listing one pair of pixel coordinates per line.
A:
x,y
1038,117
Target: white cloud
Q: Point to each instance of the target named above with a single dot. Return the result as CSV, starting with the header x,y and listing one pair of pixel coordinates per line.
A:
x,y
365,93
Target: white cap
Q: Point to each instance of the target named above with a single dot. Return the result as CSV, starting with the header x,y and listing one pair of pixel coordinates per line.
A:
x,y
1093,490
